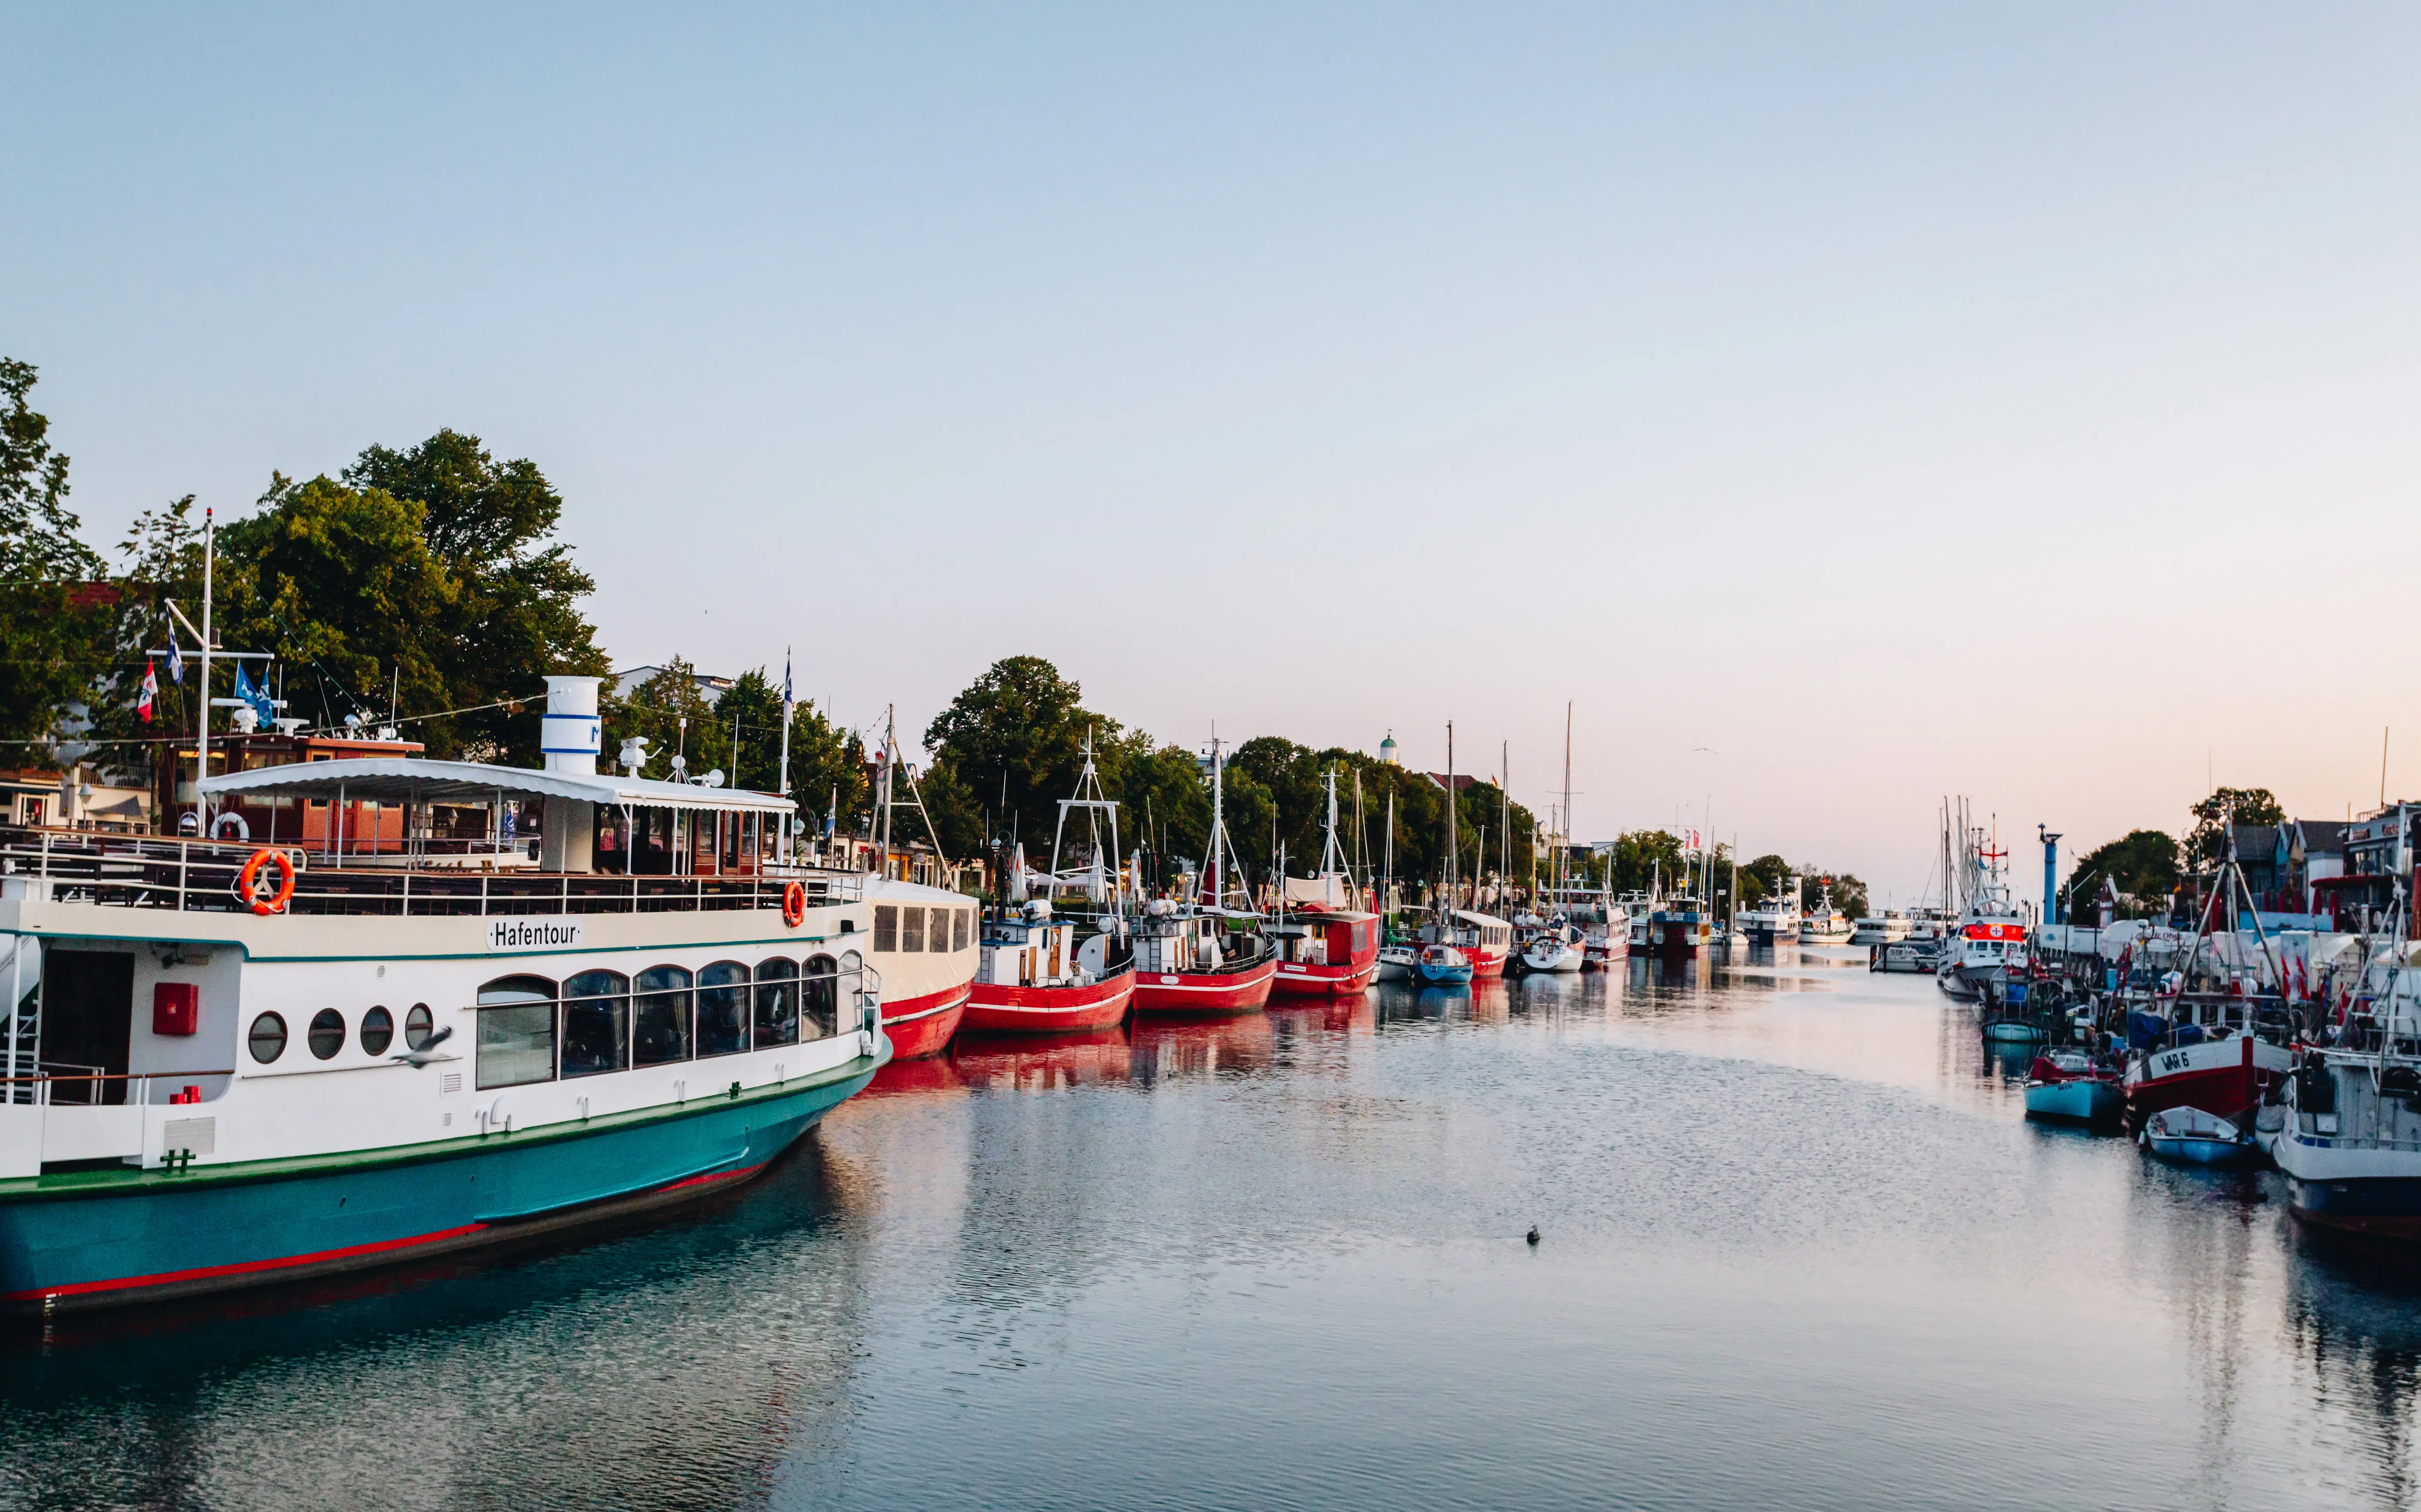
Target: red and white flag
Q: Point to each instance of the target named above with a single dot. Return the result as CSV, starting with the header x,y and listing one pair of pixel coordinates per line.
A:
x,y
151,692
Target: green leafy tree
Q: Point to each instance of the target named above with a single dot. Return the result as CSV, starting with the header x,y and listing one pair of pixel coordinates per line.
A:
x,y
53,628
1640,855
2207,843
1768,876
1012,744
2141,865
511,608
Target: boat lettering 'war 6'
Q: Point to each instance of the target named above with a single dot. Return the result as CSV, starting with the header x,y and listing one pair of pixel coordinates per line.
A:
x,y
533,934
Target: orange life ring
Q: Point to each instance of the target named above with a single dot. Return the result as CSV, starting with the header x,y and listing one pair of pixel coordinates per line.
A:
x,y
794,905
251,873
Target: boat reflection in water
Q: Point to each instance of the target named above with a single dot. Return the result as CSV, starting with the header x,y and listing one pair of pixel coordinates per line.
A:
x,y
523,1383
1043,1062
1168,1047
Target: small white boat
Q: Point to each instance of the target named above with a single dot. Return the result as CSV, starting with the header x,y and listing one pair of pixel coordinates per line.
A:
x,y
1395,962
1442,966
2194,1137
1555,948
1824,924
1905,955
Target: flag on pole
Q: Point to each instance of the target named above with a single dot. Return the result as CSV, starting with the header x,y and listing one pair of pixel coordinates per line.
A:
x,y
254,694
175,663
150,691
787,699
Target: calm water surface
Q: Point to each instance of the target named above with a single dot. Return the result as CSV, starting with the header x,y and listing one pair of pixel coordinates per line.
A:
x,y
1801,1249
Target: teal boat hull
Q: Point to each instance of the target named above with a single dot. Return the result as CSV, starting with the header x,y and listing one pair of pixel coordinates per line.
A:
x,y
110,1239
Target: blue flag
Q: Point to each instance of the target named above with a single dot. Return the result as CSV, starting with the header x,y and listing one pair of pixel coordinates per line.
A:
x,y
175,663
257,697
787,699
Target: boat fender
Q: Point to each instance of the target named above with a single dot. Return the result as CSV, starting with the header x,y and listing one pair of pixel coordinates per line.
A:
x,y
794,905
246,882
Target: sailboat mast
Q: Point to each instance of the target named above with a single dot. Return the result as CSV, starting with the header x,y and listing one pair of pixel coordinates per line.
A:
x,y
1452,901
1565,831
1218,819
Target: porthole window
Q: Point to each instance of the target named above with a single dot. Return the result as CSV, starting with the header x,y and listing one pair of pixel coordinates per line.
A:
x,y
417,1027
267,1040
378,1031
327,1035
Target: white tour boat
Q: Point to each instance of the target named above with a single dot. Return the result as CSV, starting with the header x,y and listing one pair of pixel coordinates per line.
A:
x,y
234,1063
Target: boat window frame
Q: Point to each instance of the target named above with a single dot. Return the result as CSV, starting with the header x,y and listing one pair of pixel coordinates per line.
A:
x,y
621,1036
498,1001
686,1015
743,986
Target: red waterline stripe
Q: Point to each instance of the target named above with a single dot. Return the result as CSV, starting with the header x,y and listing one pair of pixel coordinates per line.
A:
x,y
204,1273
716,1176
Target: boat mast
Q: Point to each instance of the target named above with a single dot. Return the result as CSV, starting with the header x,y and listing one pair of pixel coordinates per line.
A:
x,y
1388,887
1565,830
882,836
202,773
1218,819
1452,900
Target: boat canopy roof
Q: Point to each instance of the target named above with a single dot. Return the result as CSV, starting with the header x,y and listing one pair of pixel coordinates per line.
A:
x,y
413,780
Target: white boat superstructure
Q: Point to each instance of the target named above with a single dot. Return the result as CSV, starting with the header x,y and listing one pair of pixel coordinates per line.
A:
x,y
1882,929
1774,921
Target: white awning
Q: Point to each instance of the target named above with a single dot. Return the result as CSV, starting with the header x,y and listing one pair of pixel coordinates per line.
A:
x,y
413,780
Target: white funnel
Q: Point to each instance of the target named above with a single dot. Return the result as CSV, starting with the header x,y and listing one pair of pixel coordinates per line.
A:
x,y
569,734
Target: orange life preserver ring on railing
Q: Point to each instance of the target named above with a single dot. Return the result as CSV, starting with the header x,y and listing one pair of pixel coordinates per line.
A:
x,y
251,873
794,905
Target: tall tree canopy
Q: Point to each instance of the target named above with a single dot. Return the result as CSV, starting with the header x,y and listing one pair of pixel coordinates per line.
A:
x,y
52,640
2142,866
2207,843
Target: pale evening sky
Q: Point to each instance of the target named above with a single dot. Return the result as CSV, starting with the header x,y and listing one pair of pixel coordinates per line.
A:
x,y
1893,401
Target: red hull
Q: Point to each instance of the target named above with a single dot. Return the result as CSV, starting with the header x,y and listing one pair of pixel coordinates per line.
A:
x,y
1485,964
2230,1091
1193,992
1295,979
921,1026
1049,1011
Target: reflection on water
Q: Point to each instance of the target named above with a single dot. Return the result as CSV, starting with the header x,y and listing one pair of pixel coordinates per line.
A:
x,y
1800,1247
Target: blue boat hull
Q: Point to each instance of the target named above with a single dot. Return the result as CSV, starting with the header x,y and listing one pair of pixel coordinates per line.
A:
x,y
2380,1207
1444,976
116,1238
2084,1100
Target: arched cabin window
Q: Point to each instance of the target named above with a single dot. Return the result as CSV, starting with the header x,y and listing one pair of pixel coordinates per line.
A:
x,y
596,1023
660,1017
820,997
722,1009
777,1002
516,1041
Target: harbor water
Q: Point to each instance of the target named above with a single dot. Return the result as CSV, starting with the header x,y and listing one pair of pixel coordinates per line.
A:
x,y
1798,1248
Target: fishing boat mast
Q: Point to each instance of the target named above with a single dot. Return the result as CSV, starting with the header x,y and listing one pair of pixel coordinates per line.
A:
x,y
1453,899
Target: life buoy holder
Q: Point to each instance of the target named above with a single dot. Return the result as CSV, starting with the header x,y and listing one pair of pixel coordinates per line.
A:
x,y
246,881
794,905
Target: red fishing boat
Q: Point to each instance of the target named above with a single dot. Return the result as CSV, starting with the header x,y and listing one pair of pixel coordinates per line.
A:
x,y
1322,954
1033,977
1187,961
1199,956
1327,947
